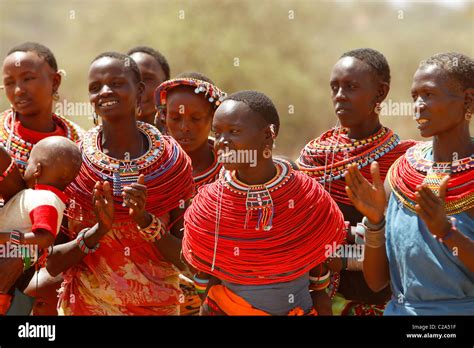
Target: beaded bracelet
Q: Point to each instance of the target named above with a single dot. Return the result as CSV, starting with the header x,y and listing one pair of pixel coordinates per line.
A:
x,y
451,231
200,284
320,283
15,238
154,231
82,245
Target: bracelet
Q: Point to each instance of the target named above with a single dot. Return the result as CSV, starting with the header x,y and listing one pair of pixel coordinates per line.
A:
x,y
154,231
15,238
372,227
200,284
354,264
451,231
375,239
320,283
82,245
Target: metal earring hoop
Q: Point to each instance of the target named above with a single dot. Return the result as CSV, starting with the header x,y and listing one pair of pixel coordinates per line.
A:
x,y
377,109
468,115
56,96
267,153
95,118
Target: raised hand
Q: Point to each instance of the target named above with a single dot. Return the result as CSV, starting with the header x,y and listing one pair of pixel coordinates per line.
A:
x,y
368,198
103,205
134,197
431,208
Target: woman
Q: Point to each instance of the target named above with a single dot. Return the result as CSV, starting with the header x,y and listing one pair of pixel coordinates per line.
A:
x,y
360,82
262,228
31,81
428,255
154,69
187,104
140,180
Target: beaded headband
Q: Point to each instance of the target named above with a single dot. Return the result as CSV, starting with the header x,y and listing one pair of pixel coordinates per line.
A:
x,y
8,171
212,94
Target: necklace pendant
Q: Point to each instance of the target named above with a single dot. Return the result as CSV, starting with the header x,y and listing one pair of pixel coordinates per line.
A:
x,y
260,199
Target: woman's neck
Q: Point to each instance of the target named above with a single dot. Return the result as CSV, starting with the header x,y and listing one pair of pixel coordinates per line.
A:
x,y
202,158
453,144
365,129
122,140
258,175
150,118
40,122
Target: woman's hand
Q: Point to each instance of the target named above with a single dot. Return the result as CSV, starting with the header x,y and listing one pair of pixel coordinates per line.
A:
x,y
369,199
103,205
431,210
134,197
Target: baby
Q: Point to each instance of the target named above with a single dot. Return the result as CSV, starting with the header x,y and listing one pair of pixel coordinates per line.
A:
x,y
34,205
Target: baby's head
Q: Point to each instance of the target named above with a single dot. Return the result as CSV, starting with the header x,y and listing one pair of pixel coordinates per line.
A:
x,y
54,161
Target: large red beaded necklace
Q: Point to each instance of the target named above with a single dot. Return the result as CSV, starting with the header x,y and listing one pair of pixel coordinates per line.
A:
x,y
210,174
415,169
18,147
327,157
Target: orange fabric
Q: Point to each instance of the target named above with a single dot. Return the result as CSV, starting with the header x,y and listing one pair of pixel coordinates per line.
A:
x,y
5,301
231,303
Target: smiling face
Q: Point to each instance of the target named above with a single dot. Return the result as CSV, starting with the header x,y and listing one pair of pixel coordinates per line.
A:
x,y
113,88
354,90
439,101
188,117
152,76
29,83
237,127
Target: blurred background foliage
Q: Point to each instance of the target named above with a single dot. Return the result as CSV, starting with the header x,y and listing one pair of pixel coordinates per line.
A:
x,y
285,49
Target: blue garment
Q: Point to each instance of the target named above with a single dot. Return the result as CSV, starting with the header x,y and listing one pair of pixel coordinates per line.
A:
x,y
426,277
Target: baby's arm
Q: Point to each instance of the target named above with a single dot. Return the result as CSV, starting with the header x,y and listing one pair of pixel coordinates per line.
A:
x,y
43,238
45,210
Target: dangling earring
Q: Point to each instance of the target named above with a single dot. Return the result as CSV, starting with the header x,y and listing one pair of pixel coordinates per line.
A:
x,y
378,108
267,153
139,110
468,115
95,118
55,96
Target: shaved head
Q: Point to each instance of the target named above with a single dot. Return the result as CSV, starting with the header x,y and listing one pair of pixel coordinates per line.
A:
x,y
60,160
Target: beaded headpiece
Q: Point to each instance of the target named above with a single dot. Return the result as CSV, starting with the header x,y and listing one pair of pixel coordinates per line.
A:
x,y
212,94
